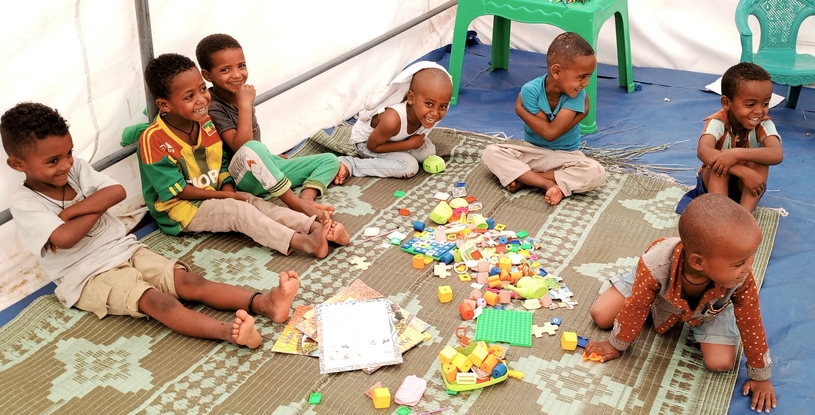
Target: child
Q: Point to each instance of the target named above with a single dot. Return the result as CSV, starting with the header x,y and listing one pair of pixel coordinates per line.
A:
x,y
184,172
703,277
62,217
391,134
739,143
254,169
551,108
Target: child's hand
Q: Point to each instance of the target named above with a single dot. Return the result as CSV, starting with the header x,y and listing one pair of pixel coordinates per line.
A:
x,y
723,162
228,192
604,349
246,96
763,394
415,141
753,182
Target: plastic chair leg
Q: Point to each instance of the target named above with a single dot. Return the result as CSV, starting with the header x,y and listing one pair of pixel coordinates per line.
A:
x,y
457,56
792,96
624,52
500,43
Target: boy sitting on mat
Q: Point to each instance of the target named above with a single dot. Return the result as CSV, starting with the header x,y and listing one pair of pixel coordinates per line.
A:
x,y
703,277
254,169
184,174
551,108
391,133
62,217
739,143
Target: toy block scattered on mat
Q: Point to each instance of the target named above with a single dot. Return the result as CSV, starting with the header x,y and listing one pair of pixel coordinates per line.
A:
x,y
507,326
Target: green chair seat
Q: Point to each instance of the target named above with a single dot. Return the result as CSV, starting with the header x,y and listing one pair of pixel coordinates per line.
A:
x,y
586,19
780,21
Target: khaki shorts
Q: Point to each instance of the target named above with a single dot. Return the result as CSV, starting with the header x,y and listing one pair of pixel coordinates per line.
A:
x,y
117,291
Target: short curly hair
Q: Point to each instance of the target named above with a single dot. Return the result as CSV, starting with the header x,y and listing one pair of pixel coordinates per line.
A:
x,y
27,122
162,70
566,47
212,44
739,74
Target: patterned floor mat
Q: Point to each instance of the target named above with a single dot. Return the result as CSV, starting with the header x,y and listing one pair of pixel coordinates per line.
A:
x,y
57,360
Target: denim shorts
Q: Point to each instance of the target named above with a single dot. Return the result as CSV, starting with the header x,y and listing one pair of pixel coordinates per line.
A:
x,y
721,330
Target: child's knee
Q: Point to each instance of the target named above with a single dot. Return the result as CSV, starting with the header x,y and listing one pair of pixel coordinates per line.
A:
x,y
719,363
187,279
489,155
154,301
409,167
597,174
601,316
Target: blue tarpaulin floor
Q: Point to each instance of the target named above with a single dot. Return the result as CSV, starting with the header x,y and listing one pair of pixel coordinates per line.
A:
x,y
646,118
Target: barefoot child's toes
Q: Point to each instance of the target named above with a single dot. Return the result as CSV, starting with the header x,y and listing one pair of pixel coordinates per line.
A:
x,y
244,332
514,186
281,297
553,195
338,234
317,240
342,174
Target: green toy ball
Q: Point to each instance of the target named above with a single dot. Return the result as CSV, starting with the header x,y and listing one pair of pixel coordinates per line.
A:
x,y
433,164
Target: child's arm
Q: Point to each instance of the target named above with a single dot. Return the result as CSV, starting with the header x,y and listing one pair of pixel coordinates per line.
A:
x,y
196,193
564,121
99,202
387,125
242,134
721,161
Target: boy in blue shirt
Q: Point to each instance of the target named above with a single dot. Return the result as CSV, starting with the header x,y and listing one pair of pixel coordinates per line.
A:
x,y
551,108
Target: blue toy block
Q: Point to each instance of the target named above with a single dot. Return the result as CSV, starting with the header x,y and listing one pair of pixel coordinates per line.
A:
x,y
556,321
490,223
503,240
495,271
582,341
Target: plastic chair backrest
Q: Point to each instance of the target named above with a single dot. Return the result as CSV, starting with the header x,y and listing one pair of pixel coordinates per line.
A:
x,y
779,20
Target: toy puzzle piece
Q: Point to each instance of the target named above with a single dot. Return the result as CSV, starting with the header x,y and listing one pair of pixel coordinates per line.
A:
x,y
441,270
359,262
547,328
593,356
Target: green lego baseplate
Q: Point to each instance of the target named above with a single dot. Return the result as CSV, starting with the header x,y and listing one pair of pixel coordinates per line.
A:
x,y
507,326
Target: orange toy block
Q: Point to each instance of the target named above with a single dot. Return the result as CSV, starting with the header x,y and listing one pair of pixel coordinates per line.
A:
x,y
404,212
496,350
494,281
467,311
489,363
505,263
501,249
449,372
418,261
492,299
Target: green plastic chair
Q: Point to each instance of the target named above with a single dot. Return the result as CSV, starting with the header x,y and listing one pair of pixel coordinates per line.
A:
x,y
585,19
779,21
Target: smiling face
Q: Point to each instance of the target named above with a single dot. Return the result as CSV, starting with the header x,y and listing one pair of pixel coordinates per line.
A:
x,y
429,98
188,99
46,167
732,260
228,71
750,104
570,79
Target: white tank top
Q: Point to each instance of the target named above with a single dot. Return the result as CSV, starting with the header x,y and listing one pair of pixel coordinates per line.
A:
x,y
363,130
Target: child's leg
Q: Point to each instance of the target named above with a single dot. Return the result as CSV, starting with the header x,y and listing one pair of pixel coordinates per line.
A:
x,y
718,339
255,170
715,183
313,172
748,200
426,150
606,307
401,165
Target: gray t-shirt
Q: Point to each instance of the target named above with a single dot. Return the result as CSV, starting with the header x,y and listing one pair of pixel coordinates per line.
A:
x,y
105,246
225,117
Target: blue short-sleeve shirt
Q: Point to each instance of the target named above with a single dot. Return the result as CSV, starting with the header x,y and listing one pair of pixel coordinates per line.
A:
x,y
534,100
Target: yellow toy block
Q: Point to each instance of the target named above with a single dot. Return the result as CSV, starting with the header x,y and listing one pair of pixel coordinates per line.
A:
x,y
478,355
465,232
447,354
515,374
505,263
499,227
382,398
568,341
466,378
445,294
489,363
465,277
450,372
462,363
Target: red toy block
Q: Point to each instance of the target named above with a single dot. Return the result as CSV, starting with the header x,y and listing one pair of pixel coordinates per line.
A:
x,y
404,212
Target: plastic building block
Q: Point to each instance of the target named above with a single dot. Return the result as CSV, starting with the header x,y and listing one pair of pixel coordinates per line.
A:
x,y
445,294
500,227
582,341
466,378
507,326
461,333
458,203
593,356
470,199
503,240
398,193
481,302
556,321
418,226
568,341
504,297
449,371
515,374
478,355
447,354
315,398
382,398
441,271
441,213
489,363
490,223
403,410
466,310
522,234
475,294
418,261
462,363
491,298
494,282
499,370
404,212
464,277
441,196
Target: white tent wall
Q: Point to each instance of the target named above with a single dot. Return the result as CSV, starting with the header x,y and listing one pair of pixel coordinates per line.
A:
x,y
82,57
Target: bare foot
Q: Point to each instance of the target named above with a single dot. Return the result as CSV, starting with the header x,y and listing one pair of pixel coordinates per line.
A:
x,y
276,305
514,186
342,174
338,234
553,195
321,211
316,242
244,332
